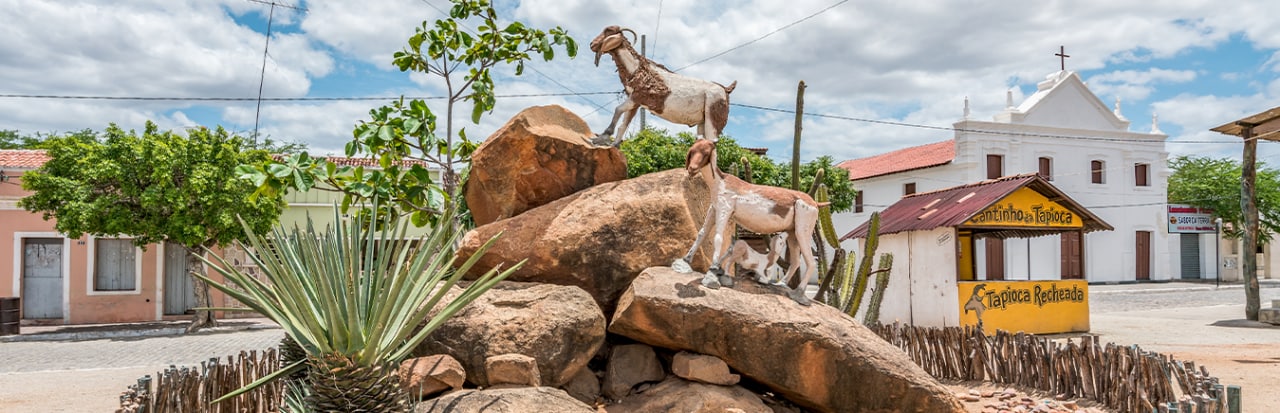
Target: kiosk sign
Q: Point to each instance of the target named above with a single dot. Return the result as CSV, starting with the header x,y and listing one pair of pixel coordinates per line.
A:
x,y
1186,219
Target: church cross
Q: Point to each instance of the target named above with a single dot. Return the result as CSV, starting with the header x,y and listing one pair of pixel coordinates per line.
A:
x,y
1062,56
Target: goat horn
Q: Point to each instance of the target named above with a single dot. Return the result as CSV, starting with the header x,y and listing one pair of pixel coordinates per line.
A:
x,y
633,34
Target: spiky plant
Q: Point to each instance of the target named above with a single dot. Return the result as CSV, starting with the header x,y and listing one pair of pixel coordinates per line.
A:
x,y
353,296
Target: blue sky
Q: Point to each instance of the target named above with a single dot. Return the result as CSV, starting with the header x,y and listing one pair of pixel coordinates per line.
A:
x,y
1195,63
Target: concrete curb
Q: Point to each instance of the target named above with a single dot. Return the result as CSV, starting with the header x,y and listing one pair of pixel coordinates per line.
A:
x,y
1137,289
125,333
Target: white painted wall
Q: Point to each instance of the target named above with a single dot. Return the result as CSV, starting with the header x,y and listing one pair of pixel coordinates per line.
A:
x,y
1016,134
922,283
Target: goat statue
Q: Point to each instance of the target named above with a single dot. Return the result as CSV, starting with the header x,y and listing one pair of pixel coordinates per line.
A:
x,y
758,208
676,98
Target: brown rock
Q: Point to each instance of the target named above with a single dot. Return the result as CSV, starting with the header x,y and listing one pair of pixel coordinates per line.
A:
x,y
542,154
629,365
703,368
816,356
584,386
677,395
602,237
505,400
426,376
517,369
559,326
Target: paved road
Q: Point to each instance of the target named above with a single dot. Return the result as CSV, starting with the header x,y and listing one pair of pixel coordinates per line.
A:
x,y
1119,298
88,376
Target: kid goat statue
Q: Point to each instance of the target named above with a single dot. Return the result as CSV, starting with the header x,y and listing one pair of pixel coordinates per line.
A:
x,y
676,98
758,208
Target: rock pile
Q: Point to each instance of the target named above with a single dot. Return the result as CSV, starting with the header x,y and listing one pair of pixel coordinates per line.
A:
x,y
594,321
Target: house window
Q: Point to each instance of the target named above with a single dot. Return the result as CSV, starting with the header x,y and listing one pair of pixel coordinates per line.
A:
x,y
857,202
908,188
995,166
1046,168
114,265
1097,170
1141,175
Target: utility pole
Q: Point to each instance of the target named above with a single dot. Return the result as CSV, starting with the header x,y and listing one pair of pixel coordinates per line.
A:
x,y
1249,205
263,75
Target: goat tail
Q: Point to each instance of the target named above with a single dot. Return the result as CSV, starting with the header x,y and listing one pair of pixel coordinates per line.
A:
x,y
729,89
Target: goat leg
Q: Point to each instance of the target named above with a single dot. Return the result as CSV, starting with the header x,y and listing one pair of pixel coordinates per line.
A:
x,y
622,129
702,232
626,106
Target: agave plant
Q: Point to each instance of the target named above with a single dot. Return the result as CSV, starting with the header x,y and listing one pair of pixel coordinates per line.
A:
x,y
353,297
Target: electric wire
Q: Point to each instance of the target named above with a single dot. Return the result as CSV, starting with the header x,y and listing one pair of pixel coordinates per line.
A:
x,y
731,49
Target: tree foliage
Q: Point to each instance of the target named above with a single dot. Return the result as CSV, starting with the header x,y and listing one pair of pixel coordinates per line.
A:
x,y
11,139
403,136
1215,184
153,187
653,150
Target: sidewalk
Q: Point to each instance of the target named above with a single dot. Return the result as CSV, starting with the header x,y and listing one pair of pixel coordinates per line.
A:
x,y
1175,285
79,332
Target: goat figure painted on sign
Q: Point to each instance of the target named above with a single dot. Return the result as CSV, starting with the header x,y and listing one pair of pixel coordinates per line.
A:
x,y
671,96
758,208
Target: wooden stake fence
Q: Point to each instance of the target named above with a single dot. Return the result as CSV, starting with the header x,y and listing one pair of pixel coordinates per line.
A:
x,y
188,389
1124,378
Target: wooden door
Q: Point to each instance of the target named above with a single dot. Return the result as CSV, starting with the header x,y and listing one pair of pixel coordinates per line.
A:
x,y
42,278
1071,256
179,291
995,259
1142,253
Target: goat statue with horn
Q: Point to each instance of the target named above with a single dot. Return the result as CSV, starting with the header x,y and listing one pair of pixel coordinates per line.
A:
x,y
758,208
676,98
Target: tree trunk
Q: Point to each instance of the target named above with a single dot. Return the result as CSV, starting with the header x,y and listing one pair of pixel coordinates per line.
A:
x,y
203,317
1249,206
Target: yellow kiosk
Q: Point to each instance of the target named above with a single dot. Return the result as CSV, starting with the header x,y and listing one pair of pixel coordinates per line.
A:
x,y
949,259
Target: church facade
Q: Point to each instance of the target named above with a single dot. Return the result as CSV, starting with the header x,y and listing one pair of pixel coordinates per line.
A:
x,y
1070,137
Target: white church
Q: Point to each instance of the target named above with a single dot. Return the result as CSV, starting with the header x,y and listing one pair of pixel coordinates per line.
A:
x,y
1081,146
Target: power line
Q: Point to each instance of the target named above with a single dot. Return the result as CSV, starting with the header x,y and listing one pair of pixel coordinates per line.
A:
x,y
952,129
657,24
262,76
271,99
762,37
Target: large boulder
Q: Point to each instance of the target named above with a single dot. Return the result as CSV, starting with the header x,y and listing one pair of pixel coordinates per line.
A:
x,y
815,356
600,238
629,365
678,395
505,400
560,327
426,376
541,155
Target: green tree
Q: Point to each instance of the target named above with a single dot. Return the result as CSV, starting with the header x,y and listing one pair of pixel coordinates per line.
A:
x,y
403,136
654,150
11,139
153,187
1215,184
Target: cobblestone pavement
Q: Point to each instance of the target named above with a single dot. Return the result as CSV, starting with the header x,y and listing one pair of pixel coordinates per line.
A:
x,y
88,375
1110,299
183,350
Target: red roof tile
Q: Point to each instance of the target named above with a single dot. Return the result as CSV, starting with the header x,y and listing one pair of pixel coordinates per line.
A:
x,y
22,158
923,156
953,206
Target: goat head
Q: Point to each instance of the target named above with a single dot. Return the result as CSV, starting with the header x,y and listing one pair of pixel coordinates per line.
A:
x,y
608,40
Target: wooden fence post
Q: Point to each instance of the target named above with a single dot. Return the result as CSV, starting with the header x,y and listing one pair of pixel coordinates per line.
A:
x,y
1233,399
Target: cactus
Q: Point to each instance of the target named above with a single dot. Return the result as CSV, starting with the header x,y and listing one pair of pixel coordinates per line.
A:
x,y
872,317
828,278
824,217
864,267
746,170
817,180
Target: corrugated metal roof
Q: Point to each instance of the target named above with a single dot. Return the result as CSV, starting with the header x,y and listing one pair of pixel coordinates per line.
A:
x,y
22,158
953,206
916,157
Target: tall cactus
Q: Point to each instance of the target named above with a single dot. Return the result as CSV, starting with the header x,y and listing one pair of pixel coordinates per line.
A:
x,y
746,168
864,267
872,317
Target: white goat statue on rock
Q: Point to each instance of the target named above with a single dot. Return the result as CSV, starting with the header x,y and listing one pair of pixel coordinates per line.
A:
x,y
676,98
758,208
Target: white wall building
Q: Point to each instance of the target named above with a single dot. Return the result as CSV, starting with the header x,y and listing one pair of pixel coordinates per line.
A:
x,y
1086,149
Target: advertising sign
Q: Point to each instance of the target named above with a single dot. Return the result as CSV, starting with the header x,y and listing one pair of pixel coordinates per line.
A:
x,y
1186,219
1026,208
1037,307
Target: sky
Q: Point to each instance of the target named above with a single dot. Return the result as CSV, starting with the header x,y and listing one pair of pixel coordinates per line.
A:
x,y
1195,64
